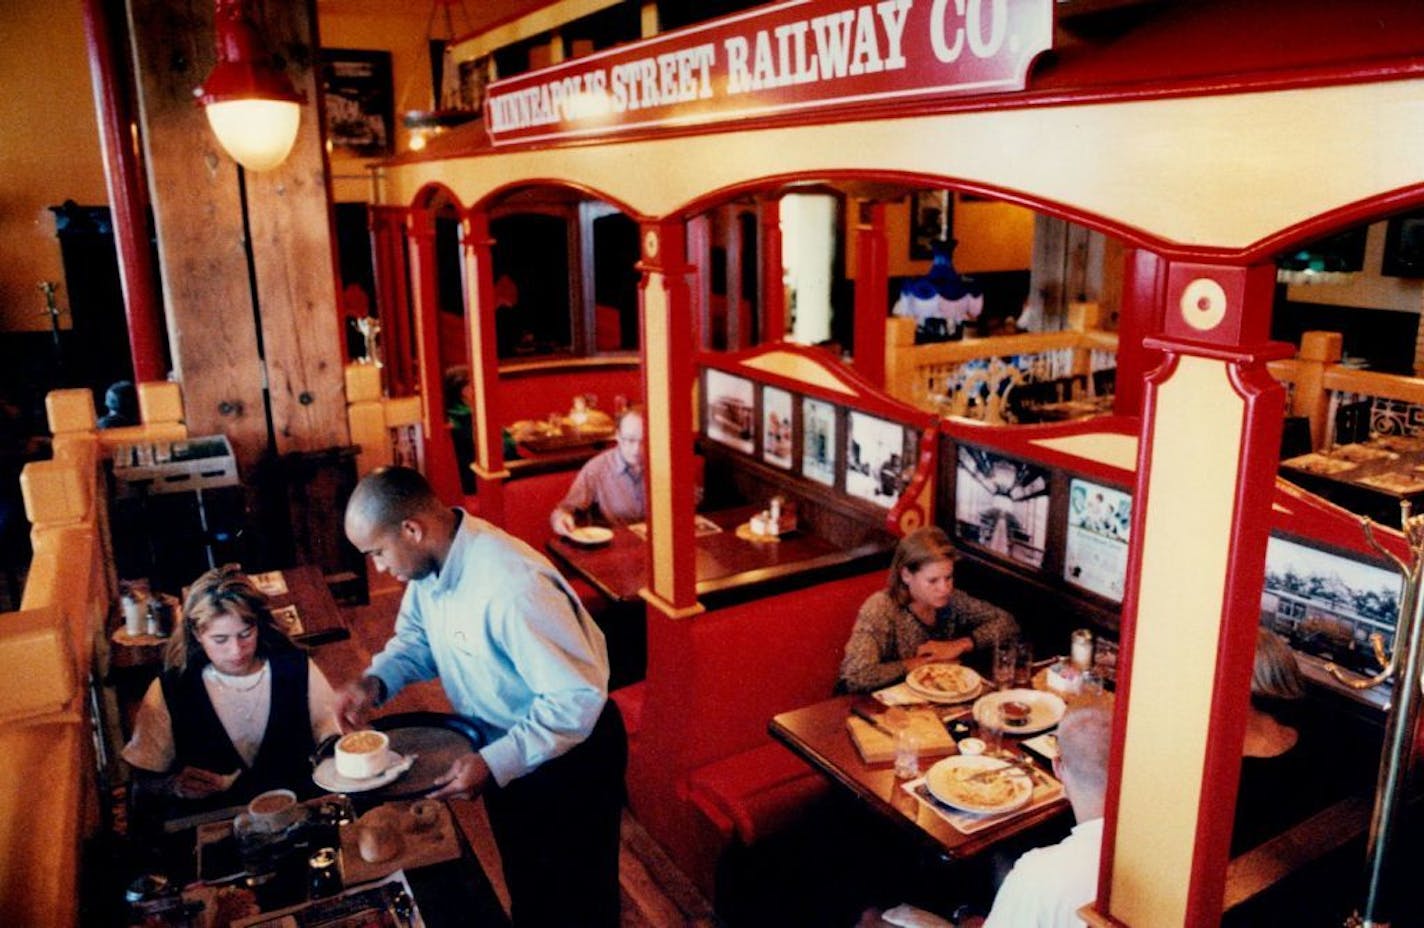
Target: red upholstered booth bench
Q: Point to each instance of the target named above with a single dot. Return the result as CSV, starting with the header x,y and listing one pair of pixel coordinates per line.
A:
x,y
702,769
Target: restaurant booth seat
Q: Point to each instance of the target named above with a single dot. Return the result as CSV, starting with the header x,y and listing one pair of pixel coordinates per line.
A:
x,y
703,772
528,500
49,779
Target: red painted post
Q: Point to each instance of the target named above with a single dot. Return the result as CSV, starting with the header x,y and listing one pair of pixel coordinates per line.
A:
x,y
123,176
871,298
773,293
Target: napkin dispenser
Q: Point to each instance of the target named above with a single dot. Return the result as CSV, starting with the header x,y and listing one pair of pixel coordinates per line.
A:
x,y
779,517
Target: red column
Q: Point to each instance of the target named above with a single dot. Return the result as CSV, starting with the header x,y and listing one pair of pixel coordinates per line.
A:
x,y
484,366
1206,468
439,450
736,323
668,383
773,293
392,274
871,307
123,176
1143,280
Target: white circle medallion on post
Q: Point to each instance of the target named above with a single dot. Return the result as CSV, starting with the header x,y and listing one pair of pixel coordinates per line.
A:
x,y
650,243
1203,304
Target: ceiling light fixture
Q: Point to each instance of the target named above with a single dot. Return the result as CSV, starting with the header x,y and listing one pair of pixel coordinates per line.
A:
x,y
251,105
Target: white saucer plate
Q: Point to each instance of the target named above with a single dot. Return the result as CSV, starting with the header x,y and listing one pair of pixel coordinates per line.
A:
x,y
327,778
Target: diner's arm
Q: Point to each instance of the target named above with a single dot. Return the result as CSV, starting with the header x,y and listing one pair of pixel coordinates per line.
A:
x,y
580,497
984,622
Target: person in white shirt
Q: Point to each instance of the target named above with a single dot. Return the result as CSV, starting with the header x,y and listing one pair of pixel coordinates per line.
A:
x,y
1048,885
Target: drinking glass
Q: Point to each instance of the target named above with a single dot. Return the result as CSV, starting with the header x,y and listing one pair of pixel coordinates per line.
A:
x,y
1023,665
1005,655
907,753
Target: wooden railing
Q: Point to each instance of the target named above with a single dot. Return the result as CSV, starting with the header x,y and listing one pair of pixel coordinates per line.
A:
x,y
941,377
1319,386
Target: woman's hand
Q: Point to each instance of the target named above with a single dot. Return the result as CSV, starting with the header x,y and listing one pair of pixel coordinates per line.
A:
x,y
951,650
467,778
197,783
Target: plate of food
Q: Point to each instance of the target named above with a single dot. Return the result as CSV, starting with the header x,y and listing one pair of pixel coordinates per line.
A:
x,y
979,783
1019,712
944,682
591,536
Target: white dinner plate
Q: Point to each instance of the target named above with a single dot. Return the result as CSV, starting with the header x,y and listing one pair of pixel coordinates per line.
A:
x,y
1045,711
327,778
943,682
949,782
591,535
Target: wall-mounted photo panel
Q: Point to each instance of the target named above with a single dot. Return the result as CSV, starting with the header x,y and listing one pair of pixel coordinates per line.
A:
x,y
1328,604
776,426
1095,552
731,415
1001,504
880,459
818,441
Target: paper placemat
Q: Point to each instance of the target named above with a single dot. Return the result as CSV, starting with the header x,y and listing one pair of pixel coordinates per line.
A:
x,y
701,525
289,620
898,695
1045,790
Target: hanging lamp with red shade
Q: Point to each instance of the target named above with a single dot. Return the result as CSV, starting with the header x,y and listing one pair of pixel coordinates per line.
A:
x,y
250,102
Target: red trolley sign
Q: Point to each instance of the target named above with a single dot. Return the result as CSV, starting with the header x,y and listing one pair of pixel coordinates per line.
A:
x,y
801,56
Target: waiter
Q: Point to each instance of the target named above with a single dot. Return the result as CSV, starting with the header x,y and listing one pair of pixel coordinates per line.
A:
x,y
519,656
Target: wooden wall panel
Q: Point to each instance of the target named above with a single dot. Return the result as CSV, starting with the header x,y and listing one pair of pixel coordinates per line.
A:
x,y
295,257
197,211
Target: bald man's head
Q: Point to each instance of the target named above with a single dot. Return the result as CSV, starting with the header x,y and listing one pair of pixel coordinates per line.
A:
x,y
395,518
388,496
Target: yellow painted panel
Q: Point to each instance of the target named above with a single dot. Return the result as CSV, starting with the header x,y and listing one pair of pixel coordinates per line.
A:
x,y
1110,448
659,437
1188,524
478,349
1222,171
799,367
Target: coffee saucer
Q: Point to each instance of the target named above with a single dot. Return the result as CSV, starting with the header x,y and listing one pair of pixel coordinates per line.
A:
x,y
327,778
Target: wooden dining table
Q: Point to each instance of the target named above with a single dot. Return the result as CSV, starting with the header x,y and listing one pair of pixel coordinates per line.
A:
x,y
817,733
726,561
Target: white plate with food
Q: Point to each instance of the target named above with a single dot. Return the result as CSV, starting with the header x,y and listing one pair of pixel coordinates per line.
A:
x,y
1019,712
944,682
591,535
327,778
972,783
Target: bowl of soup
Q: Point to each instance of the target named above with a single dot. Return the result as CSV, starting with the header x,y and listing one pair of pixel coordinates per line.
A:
x,y
363,754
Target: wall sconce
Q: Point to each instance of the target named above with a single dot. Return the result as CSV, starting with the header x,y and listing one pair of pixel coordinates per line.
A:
x,y
251,104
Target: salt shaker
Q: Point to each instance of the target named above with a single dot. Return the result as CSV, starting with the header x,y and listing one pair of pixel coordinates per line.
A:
x,y
134,618
1082,649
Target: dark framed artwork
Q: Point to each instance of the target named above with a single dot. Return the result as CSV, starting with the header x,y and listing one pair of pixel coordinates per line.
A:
x,y
360,102
1404,246
931,219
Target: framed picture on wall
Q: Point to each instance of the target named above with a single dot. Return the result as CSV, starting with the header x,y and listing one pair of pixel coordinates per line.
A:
x,y
776,426
880,459
818,441
931,220
1095,551
730,411
1001,504
1404,246
360,104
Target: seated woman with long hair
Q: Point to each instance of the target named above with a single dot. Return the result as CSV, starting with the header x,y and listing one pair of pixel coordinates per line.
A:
x,y
238,709
919,617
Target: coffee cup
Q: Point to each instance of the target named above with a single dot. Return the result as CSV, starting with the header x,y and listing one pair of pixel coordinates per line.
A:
x,y
272,811
363,754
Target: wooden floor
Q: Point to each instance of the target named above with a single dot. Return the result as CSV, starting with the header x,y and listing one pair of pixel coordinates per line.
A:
x,y
655,893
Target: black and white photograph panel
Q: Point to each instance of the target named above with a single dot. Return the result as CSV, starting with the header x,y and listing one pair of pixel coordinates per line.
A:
x,y
1001,504
880,459
731,415
818,441
776,427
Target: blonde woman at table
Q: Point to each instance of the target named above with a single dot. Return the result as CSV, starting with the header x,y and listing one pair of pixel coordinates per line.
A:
x,y
919,617
238,709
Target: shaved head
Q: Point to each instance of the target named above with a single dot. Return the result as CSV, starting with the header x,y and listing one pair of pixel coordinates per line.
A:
x,y
388,496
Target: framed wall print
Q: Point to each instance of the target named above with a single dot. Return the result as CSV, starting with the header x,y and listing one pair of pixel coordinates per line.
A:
x,y
818,441
931,220
730,413
880,459
1001,504
360,104
776,426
